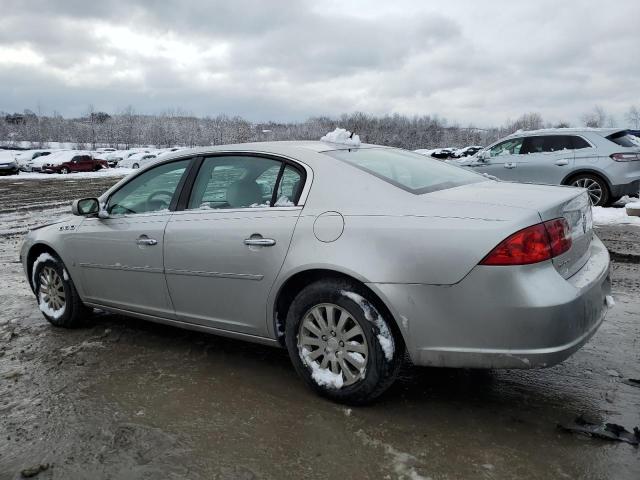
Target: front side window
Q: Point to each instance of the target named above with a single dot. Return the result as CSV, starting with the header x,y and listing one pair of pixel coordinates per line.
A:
x,y
150,191
409,171
238,181
508,147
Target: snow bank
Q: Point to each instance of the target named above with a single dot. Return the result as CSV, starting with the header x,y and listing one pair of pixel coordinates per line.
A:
x,y
613,216
343,137
105,173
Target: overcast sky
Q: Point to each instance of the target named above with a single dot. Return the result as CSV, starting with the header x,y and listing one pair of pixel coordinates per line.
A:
x,y
469,61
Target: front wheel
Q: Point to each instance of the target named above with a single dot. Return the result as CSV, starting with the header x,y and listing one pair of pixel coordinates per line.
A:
x,y
57,297
596,186
64,170
135,165
340,343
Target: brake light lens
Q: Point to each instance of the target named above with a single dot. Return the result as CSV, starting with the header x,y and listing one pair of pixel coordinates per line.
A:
x,y
625,157
533,244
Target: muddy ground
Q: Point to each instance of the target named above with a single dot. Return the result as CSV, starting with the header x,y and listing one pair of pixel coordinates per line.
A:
x,y
125,399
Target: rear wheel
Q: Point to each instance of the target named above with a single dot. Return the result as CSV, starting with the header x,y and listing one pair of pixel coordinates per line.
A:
x,y
340,343
135,165
596,186
57,297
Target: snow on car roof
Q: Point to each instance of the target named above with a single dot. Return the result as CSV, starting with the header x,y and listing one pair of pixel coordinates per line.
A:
x,y
561,131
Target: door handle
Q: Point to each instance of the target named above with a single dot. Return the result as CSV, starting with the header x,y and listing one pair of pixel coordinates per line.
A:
x,y
260,242
144,240
510,165
562,163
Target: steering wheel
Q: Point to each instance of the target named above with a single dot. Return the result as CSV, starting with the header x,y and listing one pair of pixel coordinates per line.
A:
x,y
159,204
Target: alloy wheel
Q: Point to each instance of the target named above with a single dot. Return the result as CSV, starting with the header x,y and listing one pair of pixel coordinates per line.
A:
x,y
593,188
330,338
52,289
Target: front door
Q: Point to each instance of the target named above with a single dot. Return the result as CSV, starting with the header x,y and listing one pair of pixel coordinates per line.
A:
x,y
501,160
224,251
120,257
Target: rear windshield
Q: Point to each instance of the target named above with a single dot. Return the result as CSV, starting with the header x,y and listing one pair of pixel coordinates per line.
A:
x,y
624,139
410,171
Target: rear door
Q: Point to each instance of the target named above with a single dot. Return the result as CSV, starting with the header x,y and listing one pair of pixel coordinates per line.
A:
x,y
546,159
225,249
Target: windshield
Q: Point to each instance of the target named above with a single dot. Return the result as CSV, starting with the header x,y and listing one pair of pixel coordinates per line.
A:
x,y
410,171
624,139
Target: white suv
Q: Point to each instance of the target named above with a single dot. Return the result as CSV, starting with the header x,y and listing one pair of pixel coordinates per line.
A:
x,y
605,161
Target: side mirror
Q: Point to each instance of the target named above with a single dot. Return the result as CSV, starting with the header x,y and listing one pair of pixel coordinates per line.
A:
x,y
85,206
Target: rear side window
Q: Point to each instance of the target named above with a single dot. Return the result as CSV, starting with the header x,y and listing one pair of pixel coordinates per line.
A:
x,y
579,142
624,139
409,171
547,144
244,182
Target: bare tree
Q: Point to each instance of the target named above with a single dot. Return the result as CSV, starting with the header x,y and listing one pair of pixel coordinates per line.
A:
x,y
633,117
596,118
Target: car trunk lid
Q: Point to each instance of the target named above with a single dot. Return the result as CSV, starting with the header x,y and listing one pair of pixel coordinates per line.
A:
x,y
551,202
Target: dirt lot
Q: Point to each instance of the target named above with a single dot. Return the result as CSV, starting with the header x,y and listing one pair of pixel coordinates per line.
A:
x,y
127,399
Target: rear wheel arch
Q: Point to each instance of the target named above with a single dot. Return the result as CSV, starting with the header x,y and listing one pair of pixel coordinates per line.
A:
x,y
607,187
577,173
300,280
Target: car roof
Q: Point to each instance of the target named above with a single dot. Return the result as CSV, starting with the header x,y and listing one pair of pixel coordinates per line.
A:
x,y
278,148
605,132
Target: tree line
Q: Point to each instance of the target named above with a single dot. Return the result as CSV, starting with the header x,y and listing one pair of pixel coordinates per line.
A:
x,y
127,129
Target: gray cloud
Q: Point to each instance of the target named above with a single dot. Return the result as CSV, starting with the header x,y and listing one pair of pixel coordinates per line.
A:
x,y
471,62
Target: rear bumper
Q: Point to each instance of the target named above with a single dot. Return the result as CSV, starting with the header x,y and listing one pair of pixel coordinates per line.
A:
x,y
502,317
9,170
627,189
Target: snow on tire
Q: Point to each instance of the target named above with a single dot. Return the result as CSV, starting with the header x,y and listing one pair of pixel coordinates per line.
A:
x,y
57,297
340,343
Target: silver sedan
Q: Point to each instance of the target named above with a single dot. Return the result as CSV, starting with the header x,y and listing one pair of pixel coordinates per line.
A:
x,y
346,256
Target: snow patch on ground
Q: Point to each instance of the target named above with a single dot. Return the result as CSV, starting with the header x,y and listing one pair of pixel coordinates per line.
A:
x,y
322,376
343,137
371,314
613,216
610,301
401,462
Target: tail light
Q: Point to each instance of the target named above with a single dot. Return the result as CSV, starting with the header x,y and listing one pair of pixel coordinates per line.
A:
x,y
533,244
625,157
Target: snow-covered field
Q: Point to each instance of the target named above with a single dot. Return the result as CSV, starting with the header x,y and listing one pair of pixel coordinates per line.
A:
x,y
108,172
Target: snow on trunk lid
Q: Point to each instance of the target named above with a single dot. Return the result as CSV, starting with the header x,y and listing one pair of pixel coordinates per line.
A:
x,y
577,213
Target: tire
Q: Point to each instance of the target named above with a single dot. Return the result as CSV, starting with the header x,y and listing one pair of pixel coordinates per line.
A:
x,y
380,349
64,170
135,165
47,271
597,187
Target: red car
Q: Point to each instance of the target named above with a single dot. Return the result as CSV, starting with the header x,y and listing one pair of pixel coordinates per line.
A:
x,y
77,163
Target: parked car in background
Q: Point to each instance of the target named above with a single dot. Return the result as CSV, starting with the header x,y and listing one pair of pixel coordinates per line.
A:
x,y
605,161
519,279
23,158
467,151
71,162
137,160
8,164
439,153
